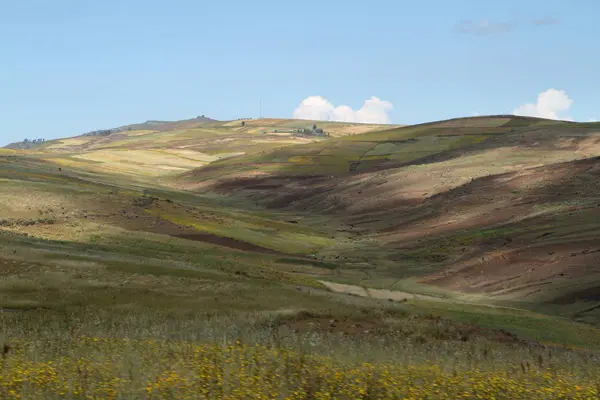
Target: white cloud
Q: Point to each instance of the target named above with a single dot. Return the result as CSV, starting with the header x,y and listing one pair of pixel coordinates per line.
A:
x,y
592,120
550,104
374,111
315,108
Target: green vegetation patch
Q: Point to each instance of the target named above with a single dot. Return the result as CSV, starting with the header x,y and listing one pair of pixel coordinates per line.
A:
x,y
287,241
299,261
525,324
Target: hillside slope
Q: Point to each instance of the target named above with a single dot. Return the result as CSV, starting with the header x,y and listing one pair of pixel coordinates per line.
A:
x,y
157,149
506,207
85,237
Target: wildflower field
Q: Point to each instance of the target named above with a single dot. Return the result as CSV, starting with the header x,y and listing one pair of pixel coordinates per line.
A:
x,y
70,365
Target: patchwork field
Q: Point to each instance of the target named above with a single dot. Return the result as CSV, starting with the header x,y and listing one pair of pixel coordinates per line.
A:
x,y
203,259
153,150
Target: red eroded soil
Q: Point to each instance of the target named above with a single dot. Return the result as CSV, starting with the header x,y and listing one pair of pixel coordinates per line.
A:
x,y
524,270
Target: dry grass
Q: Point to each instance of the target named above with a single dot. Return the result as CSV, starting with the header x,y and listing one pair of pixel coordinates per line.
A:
x,y
139,162
71,142
21,202
199,358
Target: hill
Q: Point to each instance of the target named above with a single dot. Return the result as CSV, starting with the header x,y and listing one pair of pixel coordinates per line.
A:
x,y
26,144
155,148
150,126
167,125
502,207
219,259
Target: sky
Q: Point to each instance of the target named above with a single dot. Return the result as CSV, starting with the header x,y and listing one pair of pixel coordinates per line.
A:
x,y
72,66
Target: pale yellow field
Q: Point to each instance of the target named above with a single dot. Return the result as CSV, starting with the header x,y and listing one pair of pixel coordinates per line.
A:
x,y
83,140
76,141
140,162
29,203
138,132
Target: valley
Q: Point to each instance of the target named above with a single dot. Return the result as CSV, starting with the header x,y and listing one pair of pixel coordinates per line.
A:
x,y
460,236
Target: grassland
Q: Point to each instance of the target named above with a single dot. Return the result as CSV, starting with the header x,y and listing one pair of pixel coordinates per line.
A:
x,y
502,207
87,367
118,281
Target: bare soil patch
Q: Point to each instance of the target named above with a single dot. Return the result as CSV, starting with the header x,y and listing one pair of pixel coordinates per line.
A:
x,y
306,322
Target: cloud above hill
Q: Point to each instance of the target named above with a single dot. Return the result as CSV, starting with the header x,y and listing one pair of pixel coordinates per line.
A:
x,y
373,111
551,104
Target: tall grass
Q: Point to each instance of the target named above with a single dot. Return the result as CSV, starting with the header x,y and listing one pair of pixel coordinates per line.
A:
x,y
107,355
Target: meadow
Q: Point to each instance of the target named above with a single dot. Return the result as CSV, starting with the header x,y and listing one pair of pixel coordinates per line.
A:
x,y
254,356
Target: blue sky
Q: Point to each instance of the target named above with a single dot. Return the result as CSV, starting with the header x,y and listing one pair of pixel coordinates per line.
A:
x,y
70,66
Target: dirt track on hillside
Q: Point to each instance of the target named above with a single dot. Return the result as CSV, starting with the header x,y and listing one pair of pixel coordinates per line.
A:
x,y
393,295
381,294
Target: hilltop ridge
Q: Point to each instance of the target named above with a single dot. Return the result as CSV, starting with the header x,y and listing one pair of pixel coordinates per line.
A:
x,y
263,124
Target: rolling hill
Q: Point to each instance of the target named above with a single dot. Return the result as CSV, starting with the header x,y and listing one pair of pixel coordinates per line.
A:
x,y
503,207
500,210
155,149
463,253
